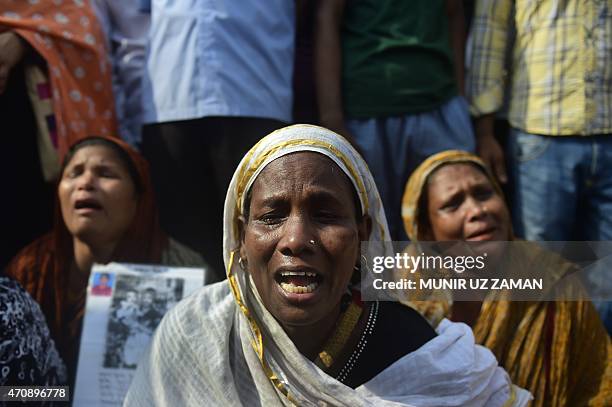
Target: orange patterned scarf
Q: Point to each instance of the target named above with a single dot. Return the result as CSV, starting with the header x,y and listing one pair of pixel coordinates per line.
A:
x,y
68,37
43,267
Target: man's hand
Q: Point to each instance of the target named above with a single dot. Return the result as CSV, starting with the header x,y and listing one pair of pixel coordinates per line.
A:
x,y
488,148
12,50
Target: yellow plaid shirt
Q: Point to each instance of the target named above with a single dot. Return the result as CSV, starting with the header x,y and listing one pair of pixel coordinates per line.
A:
x,y
557,57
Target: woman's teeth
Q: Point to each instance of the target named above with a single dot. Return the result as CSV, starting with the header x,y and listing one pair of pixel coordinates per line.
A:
x,y
298,289
298,282
298,273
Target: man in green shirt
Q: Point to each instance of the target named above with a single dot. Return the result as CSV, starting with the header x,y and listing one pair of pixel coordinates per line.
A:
x,y
390,79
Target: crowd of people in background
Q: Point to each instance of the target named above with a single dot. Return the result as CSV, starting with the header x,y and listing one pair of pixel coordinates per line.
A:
x,y
140,111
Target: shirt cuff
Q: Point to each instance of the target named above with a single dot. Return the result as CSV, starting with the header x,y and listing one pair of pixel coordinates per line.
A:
x,y
487,101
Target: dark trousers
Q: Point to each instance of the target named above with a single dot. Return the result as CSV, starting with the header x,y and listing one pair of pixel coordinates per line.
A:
x,y
192,163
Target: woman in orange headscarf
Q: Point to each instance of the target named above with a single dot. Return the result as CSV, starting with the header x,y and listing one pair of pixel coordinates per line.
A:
x,y
55,88
105,212
560,350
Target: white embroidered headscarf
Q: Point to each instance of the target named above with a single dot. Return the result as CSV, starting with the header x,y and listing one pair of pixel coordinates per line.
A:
x,y
288,140
222,347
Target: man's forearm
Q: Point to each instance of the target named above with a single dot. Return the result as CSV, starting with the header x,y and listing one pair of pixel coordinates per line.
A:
x,y
456,28
328,62
484,125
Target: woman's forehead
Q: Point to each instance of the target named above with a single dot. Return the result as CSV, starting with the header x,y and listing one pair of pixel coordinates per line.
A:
x,y
291,161
293,172
453,172
95,154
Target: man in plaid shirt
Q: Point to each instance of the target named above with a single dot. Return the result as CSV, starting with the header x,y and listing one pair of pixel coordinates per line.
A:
x,y
555,59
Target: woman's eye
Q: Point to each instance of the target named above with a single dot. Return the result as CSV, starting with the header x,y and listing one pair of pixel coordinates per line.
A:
x,y
326,216
106,173
484,194
451,205
271,219
73,173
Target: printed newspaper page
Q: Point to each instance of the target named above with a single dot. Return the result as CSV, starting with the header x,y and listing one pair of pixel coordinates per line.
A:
x,y
125,303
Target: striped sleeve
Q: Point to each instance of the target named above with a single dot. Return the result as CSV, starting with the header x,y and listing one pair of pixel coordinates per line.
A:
x,y
491,39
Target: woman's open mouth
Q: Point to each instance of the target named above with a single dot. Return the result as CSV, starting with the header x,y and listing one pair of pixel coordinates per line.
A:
x,y
298,281
87,205
483,234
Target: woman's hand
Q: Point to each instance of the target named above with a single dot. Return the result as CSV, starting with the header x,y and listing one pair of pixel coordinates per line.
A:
x,y
12,50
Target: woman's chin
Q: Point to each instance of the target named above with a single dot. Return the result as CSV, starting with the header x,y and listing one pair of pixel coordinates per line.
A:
x,y
85,233
90,234
493,249
300,309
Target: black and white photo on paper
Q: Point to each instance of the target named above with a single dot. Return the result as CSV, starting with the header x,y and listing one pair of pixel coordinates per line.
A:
x,y
137,307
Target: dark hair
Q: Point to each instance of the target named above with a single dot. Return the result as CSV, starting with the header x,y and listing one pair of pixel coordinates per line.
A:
x,y
120,152
106,275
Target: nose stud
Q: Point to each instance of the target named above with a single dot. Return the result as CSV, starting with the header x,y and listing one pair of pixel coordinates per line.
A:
x,y
312,242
